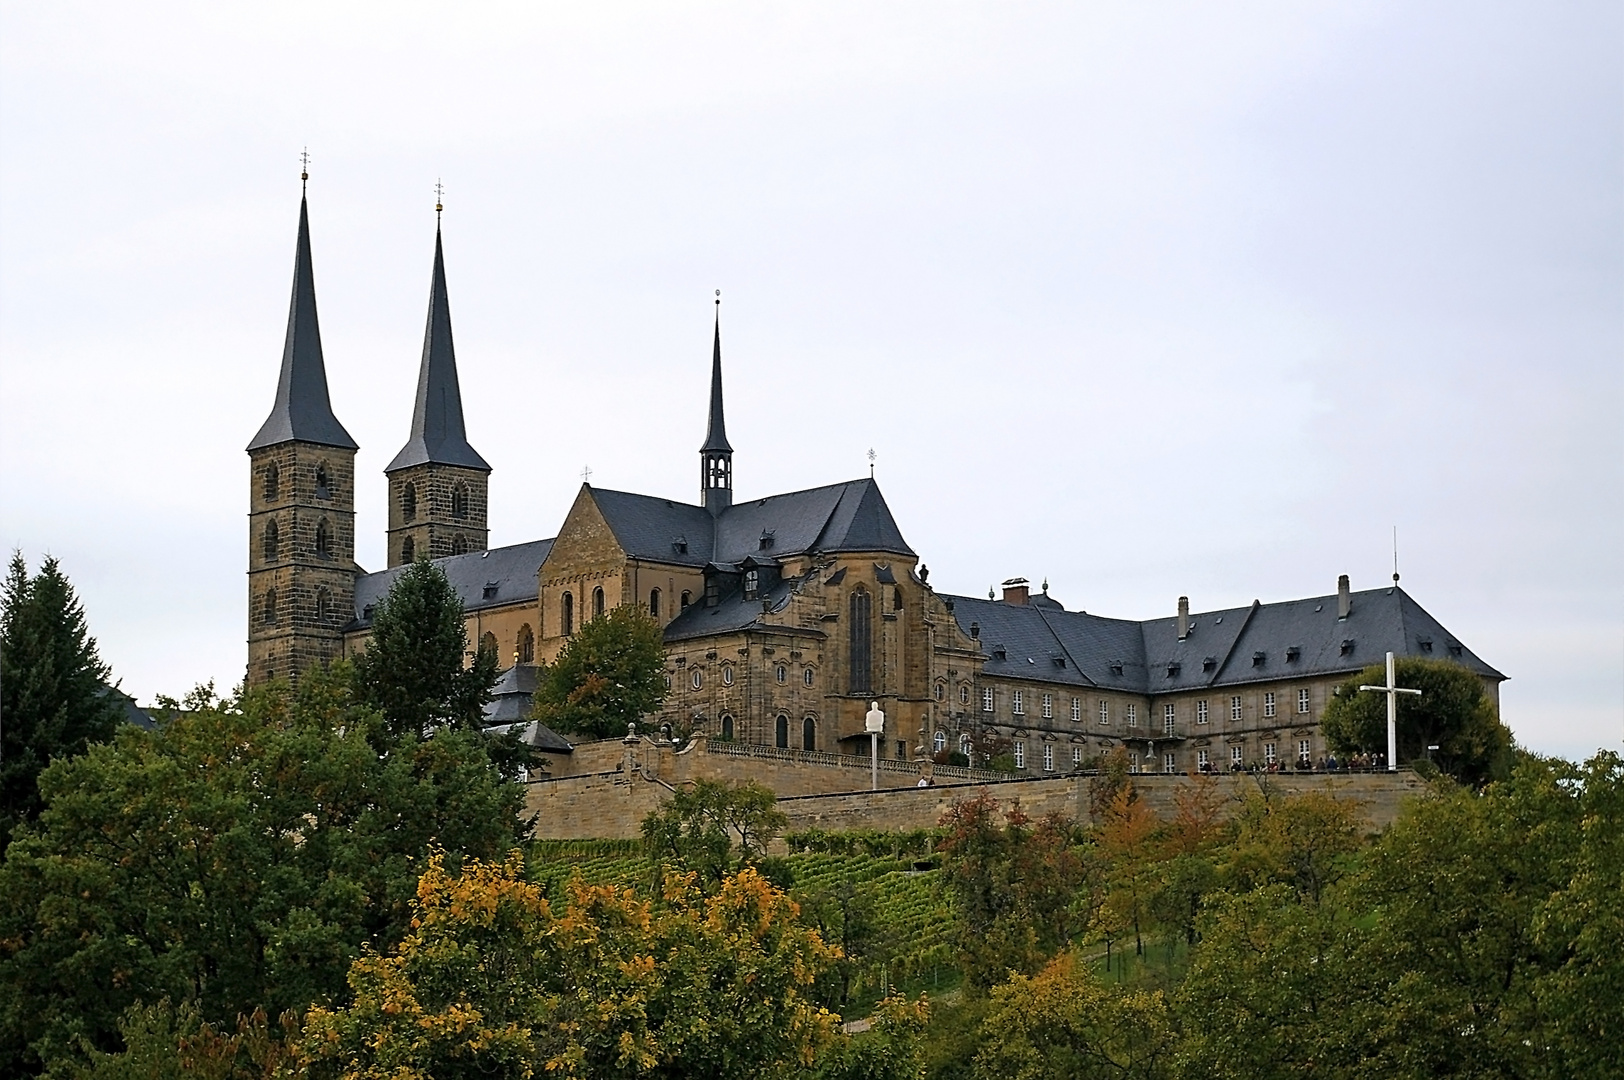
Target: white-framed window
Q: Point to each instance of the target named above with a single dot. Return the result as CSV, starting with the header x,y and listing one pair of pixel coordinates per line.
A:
x,y
938,742
781,673
1076,757
1048,757
1170,717
697,679
965,747
1048,706
1133,715
1017,702
964,693
1202,760
941,692
1268,703
668,680
1201,711
1302,700
1237,754
1077,710
1170,763
986,699
1269,755
1304,750
807,676
1105,713
1133,762
1020,754
727,675
1235,707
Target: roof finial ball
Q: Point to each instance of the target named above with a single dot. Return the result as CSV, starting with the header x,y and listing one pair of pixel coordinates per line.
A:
x,y
304,169
439,200
718,297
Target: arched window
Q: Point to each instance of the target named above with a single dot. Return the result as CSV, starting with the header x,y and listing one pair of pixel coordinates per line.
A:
x,y
273,482
781,673
941,691
687,598
965,747
807,676
597,602
487,643
654,602
321,480
268,610
938,742
272,542
783,732
809,734
861,628
566,614
727,675
459,501
324,605
896,598
727,727
964,693
408,550
459,544
324,539
525,652
408,502
696,678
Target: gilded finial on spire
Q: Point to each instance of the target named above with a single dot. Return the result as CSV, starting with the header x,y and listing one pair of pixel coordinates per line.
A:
x,y
439,199
718,297
304,169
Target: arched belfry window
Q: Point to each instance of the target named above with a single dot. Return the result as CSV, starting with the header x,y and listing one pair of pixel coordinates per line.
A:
x,y
324,607
321,480
597,602
783,732
459,544
273,482
408,502
861,628
654,602
809,734
272,541
268,611
408,550
525,653
324,539
459,501
566,614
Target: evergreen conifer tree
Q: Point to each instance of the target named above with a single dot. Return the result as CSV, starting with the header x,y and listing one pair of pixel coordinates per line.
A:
x,y
412,670
54,692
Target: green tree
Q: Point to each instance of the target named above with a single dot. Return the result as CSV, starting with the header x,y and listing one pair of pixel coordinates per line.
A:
x,y
702,826
610,673
1306,841
412,670
1453,712
239,856
54,693
493,982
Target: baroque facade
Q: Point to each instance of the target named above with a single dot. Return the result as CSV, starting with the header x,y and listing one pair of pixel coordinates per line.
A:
x,y
785,616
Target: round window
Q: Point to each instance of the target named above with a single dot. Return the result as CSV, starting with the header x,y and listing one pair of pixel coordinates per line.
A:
x,y
727,676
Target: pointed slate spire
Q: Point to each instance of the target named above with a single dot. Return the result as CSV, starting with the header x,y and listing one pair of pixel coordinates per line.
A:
x,y
302,411
438,435
716,430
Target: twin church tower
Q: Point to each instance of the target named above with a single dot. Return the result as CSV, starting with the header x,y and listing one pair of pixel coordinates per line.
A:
x,y
302,571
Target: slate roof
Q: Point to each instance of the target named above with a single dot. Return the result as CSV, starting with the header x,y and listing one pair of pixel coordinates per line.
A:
x,y
732,612
851,516
508,574
716,428
438,434
302,410
1152,660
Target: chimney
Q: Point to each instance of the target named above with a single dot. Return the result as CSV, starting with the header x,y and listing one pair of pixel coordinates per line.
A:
x,y
1344,602
1184,617
1017,590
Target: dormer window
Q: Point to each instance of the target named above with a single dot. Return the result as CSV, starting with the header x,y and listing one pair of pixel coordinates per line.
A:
x,y
1208,663
1000,653
713,592
975,631
1258,658
489,592
680,545
752,584
1293,654
1425,643
1347,646
1173,669
1116,667
766,540
1456,648
1058,661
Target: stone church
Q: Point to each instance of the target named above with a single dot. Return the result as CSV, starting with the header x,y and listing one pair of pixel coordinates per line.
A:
x,y
785,615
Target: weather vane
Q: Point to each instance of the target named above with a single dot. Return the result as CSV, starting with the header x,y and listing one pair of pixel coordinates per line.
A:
x,y
439,199
718,297
871,456
304,168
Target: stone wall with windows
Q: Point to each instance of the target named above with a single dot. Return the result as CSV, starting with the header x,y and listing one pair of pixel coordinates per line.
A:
x,y
437,510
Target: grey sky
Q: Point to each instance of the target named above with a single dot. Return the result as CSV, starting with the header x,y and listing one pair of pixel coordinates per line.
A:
x,y
1147,299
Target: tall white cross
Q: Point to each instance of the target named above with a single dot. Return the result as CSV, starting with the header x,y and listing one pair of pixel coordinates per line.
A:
x,y
1392,690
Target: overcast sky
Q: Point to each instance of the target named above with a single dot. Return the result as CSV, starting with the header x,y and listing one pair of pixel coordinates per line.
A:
x,y
1146,299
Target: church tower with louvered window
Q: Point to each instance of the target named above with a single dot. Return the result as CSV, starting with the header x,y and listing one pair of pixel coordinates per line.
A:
x,y
301,518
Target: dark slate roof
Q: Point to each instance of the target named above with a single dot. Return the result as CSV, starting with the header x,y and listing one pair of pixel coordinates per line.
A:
x,y
716,428
732,612
510,708
302,411
438,434
851,516
507,573
1153,660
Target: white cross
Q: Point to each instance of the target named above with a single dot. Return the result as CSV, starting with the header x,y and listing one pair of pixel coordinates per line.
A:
x,y
1392,690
